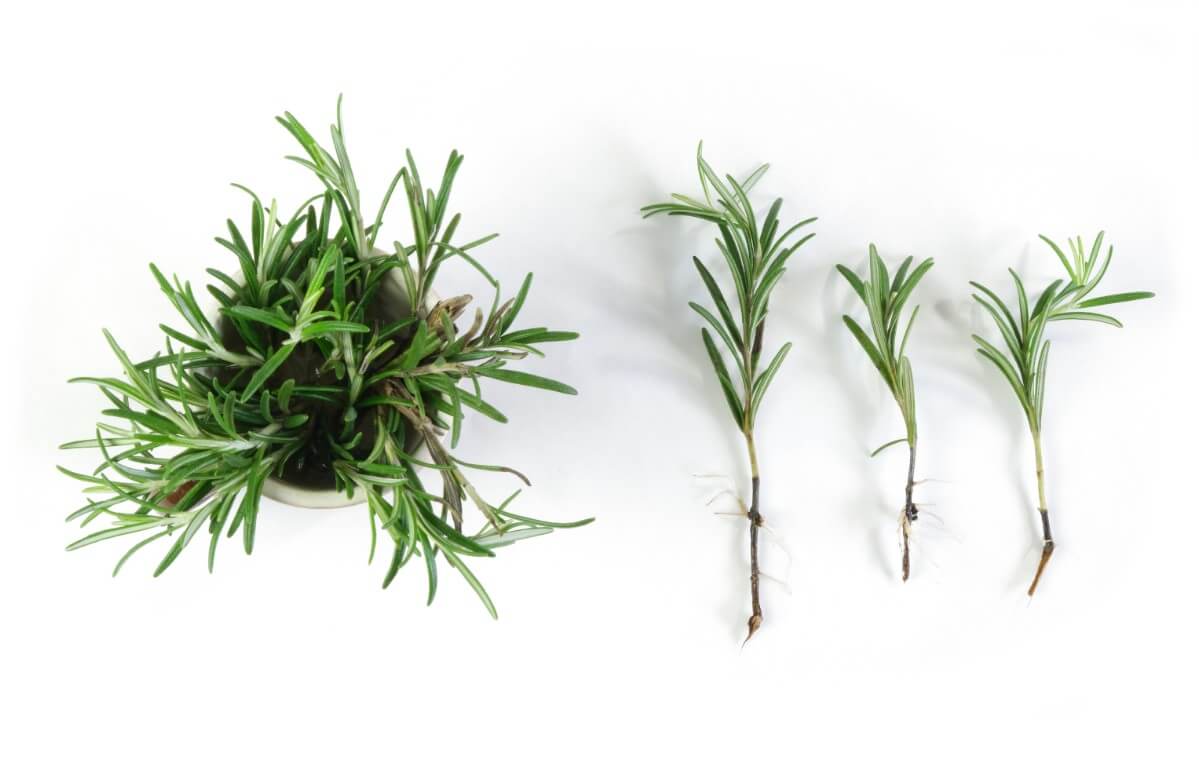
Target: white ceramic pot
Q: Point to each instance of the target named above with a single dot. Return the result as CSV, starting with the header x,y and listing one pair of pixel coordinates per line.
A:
x,y
309,498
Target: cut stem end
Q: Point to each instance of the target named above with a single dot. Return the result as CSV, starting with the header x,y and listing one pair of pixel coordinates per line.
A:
x,y
755,622
1046,553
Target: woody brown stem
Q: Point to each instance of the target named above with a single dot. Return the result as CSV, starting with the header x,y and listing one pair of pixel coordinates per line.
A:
x,y
755,522
909,510
454,482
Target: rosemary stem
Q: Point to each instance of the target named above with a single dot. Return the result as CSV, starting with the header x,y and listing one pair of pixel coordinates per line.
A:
x,y
1036,443
755,522
909,509
754,514
1043,508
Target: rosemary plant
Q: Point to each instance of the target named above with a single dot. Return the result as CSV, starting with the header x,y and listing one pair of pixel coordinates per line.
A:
x,y
756,253
884,298
326,366
1023,332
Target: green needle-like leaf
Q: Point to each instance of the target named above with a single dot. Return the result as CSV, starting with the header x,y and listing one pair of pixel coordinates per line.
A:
x,y
1121,297
722,374
528,379
886,445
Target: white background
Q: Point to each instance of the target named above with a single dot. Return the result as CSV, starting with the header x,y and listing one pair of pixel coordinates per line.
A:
x,y
951,130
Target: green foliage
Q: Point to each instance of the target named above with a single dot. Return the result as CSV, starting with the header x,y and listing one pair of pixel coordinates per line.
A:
x,y
884,298
313,369
1026,358
756,253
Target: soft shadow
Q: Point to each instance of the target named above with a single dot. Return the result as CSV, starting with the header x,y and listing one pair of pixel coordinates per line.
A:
x,y
647,285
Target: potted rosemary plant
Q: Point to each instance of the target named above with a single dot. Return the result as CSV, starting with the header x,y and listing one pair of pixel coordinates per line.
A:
x,y
325,365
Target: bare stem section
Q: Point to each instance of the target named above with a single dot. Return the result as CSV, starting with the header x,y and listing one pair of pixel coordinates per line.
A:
x,y
755,523
1046,533
910,511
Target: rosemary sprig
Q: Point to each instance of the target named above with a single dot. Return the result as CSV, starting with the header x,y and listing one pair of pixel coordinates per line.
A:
x,y
1023,332
884,298
756,253
313,372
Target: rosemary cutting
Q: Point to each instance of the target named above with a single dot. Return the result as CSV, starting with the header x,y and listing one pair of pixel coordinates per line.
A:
x,y
884,298
756,253
326,366
1027,357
